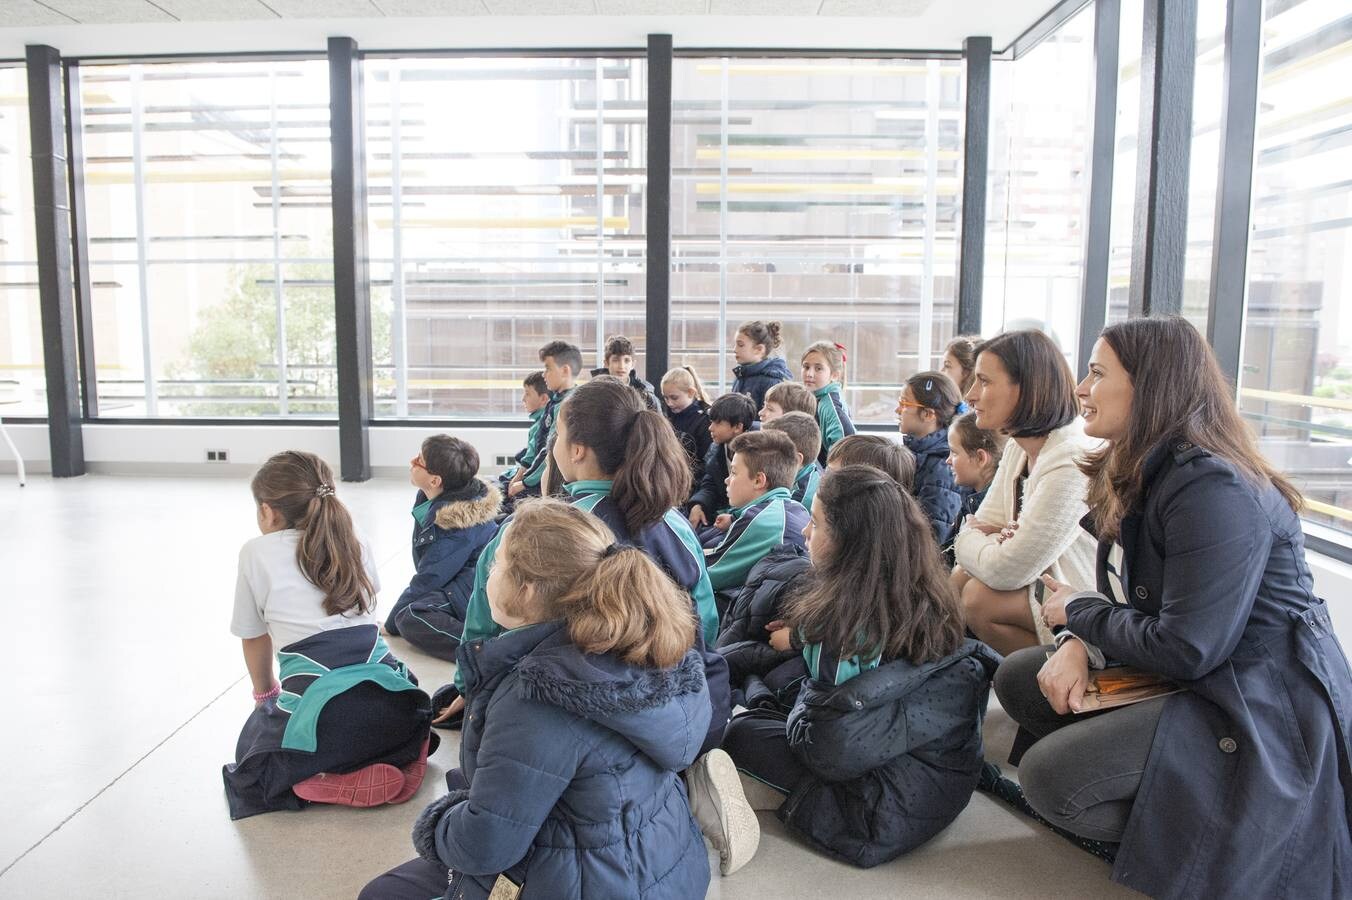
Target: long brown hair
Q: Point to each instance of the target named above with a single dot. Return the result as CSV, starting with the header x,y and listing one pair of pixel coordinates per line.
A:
x,y
635,445
936,392
882,590
299,487
1178,393
613,598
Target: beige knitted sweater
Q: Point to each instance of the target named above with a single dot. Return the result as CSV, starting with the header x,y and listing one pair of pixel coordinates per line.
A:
x,y
1049,538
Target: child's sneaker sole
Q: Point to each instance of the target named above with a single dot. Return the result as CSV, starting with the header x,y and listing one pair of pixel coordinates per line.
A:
x,y
720,808
374,785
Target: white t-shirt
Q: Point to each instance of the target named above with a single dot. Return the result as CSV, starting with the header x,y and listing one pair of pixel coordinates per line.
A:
x,y
273,597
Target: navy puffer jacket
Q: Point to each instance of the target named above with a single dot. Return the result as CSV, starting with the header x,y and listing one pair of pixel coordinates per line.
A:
x,y
571,760
757,378
934,487
895,754
761,676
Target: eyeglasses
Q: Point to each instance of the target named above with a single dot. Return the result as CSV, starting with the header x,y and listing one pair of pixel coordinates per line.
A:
x,y
910,404
417,462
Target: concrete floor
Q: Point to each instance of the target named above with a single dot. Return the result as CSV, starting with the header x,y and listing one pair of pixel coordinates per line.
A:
x,y
125,693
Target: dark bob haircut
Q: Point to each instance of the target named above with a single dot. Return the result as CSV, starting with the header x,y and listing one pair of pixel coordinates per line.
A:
x,y
1046,386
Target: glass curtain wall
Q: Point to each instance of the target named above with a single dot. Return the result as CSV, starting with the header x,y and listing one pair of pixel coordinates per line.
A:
x,y
823,193
505,211
23,385
1041,106
1296,377
210,238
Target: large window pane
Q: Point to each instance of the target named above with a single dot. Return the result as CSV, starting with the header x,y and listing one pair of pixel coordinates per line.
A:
x,y
1040,128
1130,36
506,210
210,238
23,388
1208,98
1296,381
823,193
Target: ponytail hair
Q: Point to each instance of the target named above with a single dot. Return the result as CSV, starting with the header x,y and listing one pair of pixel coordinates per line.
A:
x,y
299,487
687,379
767,334
613,598
634,444
833,353
936,392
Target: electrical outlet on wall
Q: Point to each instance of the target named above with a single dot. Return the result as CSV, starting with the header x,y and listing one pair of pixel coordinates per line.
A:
x,y
218,456
505,460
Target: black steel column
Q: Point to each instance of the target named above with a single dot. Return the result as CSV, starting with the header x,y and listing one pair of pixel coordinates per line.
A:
x,y
1102,153
658,202
976,55
47,124
351,277
1164,141
79,244
1239,114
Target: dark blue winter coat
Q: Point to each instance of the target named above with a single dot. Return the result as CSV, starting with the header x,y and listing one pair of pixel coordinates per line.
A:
x,y
1247,791
755,379
934,487
692,430
971,502
643,387
449,533
712,493
572,759
761,676
894,752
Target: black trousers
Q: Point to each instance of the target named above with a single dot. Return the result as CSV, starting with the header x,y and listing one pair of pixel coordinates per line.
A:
x,y
758,743
1083,772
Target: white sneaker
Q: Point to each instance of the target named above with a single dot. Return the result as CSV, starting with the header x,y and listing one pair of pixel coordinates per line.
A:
x,y
720,808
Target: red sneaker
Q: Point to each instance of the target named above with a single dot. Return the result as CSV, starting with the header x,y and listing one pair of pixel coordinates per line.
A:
x,y
413,775
374,785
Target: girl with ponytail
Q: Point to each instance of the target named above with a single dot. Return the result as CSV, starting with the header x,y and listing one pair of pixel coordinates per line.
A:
x,y
824,375
687,406
307,589
760,366
581,715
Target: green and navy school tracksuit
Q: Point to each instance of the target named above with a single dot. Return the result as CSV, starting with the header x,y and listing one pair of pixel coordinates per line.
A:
x,y
833,417
824,665
536,470
671,543
535,443
760,526
374,713
805,484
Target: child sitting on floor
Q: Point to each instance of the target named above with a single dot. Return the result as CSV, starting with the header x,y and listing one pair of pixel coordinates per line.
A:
x,y
807,439
730,415
453,519
345,721
759,365
824,375
619,361
878,451
973,455
787,397
928,403
764,514
534,397
563,364
882,749
687,407
581,714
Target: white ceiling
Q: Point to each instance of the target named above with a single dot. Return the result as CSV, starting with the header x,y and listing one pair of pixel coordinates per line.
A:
x,y
107,27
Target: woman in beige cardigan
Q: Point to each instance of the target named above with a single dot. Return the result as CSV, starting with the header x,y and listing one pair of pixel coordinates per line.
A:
x,y
1029,523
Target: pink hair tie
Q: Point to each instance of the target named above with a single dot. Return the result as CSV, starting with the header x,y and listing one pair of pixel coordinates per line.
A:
x,y
275,691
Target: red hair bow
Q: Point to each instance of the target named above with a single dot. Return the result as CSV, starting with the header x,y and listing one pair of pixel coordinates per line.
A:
x,y
841,348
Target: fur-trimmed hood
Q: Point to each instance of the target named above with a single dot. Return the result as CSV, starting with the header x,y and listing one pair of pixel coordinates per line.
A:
x,y
456,514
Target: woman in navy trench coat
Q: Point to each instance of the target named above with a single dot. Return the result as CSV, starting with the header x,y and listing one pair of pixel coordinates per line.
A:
x,y
1244,790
